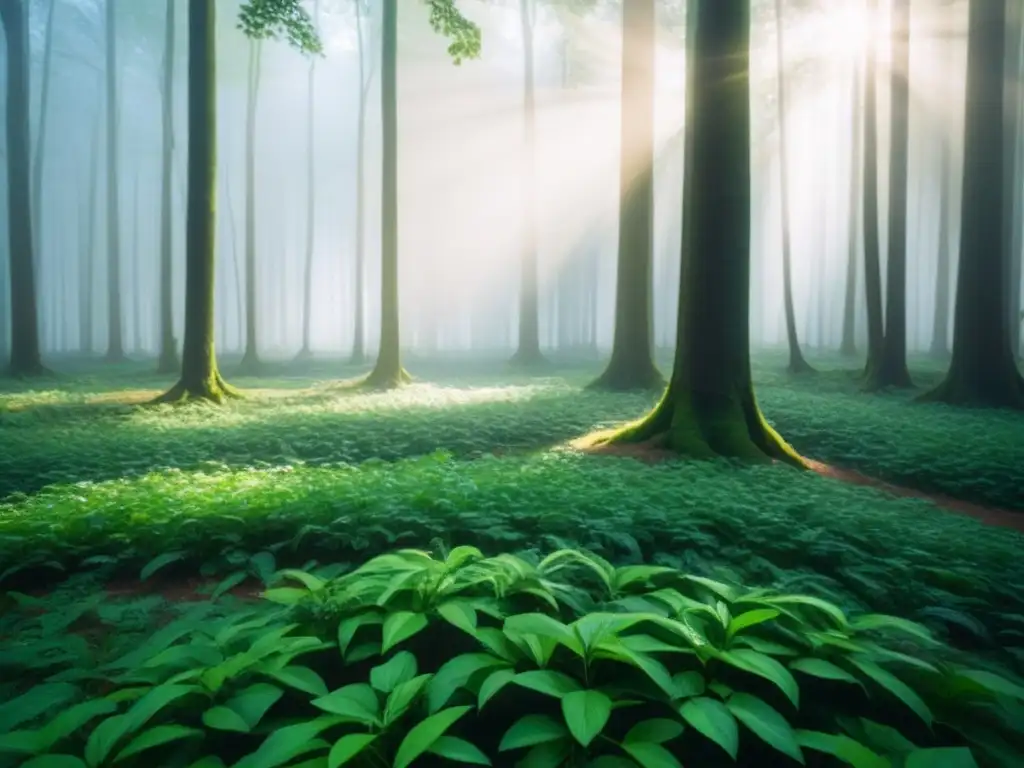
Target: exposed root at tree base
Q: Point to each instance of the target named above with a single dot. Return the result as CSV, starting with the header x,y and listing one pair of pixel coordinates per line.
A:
x,y
385,379
215,391
629,380
526,361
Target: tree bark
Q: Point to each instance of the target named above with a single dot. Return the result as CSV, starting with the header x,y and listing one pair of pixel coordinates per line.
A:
x,y
982,371
115,332
632,363
890,369
39,153
168,361
939,348
388,372
1013,199
848,346
251,358
200,377
307,295
88,283
709,408
872,246
25,355
359,305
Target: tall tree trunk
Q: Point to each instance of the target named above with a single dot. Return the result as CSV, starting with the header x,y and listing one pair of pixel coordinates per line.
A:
x,y
359,290
39,152
168,361
307,296
388,371
709,408
940,318
632,363
137,343
200,378
982,370
115,332
235,263
872,246
251,358
848,346
797,363
88,283
528,352
1012,198
890,369
25,357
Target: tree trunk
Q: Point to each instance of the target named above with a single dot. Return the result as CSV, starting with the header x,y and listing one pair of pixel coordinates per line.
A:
x,y
797,363
848,346
528,353
200,378
709,408
1013,200
982,370
890,369
25,357
940,319
872,246
39,154
359,326
251,358
388,371
137,343
115,333
307,296
88,283
168,361
632,363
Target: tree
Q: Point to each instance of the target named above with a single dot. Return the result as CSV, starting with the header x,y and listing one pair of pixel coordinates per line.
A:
x,y
168,361
889,369
251,358
115,332
632,363
872,246
848,346
200,376
25,357
307,298
982,370
940,318
39,153
709,407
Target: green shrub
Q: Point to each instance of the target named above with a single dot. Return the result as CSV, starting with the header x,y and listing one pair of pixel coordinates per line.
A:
x,y
560,661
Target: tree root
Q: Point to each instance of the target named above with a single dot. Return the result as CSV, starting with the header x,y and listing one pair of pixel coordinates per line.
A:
x,y
385,379
213,390
617,378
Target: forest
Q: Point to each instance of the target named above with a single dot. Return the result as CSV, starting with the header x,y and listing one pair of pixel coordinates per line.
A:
x,y
540,383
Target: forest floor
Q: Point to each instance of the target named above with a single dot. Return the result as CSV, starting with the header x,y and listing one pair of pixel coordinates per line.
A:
x,y
471,453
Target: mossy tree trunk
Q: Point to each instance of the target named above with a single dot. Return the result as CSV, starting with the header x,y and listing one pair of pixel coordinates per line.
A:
x,y
632,363
168,361
848,345
200,377
528,352
25,356
797,363
115,331
872,245
388,372
251,358
709,408
890,368
982,371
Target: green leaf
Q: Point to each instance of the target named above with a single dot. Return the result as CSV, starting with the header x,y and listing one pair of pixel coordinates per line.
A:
x,y
224,719
459,750
155,737
311,582
357,702
348,747
159,562
895,686
651,755
876,621
823,669
687,684
454,674
108,733
531,730
833,612
425,734
402,697
252,703
553,754
300,678
548,682
33,703
657,730
462,555
399,668
348,626
766,667
286,744
993,683
941,757
713,719
71,719
595,627
399,627
766,722
493,684
586,713
541,625
846,750
286,595
22,742
459,614
630,574
54,761
749,619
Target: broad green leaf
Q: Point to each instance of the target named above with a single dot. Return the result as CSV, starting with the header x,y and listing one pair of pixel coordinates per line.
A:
x,y
713,720
399,668
348,747
357,701
155,737
108,733
348,626
253,702
399,627
301,678
209,761
823,606
454,674
657,730
766,722
651,755
224,719
631,574
526,624
895,686
822,668
288,743
749,619
55,761
993,683
531,730
402,697
192,653
875,621
22,742
842,747
33,703
462,555
586,713
766,667
159,562
286,595
71,719
941,757
687,684
311,582
594,627
552,754
493,684
459,751
650,666
459,614
548,682
425,734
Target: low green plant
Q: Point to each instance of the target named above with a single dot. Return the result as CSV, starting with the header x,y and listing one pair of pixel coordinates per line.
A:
x,y
563,660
